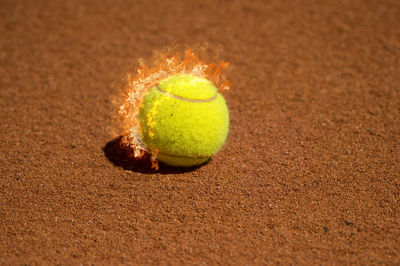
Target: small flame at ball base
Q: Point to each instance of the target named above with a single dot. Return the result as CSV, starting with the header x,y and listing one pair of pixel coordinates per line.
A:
x,y
148,77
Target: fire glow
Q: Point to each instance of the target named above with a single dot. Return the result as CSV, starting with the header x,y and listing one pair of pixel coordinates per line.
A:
x,y
146,78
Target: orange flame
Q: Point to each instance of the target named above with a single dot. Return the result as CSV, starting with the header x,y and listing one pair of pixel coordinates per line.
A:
x,y
146,78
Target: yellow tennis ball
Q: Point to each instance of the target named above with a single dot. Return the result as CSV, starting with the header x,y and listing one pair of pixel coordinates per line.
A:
x,y
184,120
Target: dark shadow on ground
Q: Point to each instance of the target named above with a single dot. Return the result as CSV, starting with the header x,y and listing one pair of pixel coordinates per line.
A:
x,y
121,156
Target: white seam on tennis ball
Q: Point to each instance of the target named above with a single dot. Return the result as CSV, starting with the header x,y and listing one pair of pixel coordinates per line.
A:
x,y
187,99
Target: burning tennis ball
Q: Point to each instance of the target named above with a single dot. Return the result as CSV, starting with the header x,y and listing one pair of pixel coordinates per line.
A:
x,y
184,120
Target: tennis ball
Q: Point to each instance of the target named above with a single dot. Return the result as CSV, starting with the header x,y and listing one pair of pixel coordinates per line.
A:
x,y
184,120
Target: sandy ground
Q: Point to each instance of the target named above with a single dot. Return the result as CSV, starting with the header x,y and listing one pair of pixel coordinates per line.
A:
x,y
310,171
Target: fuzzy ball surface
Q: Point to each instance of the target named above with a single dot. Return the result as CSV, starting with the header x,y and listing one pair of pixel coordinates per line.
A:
x,y
184,120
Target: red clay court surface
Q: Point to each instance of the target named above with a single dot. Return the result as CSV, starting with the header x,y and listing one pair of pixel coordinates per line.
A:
x,y
309,174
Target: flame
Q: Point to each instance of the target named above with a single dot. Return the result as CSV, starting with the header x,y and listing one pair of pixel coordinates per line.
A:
x,y
146,78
